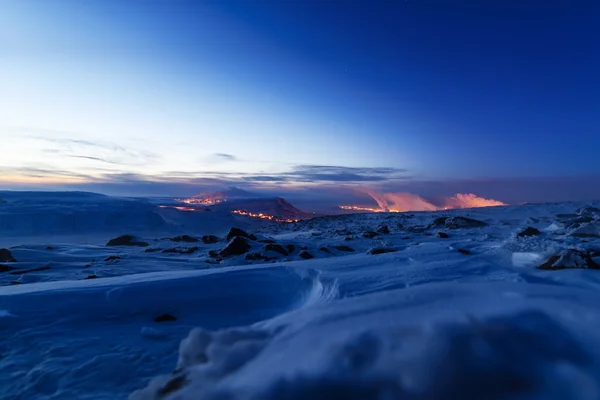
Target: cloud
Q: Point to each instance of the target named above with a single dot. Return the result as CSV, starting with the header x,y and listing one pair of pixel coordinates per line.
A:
x,y
225,156
66,144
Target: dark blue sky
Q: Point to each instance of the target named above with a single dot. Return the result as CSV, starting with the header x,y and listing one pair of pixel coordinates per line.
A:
x,y
264,91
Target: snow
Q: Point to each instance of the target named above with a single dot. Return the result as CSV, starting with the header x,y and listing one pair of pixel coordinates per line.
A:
x,y
424,322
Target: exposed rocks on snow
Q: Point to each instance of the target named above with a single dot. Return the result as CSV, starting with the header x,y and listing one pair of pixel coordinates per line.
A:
x,y
172,385
463,222
6,256
112,258
184,250
591,212
256,256
325,250
276,248
290,248
7,268
529,231
165,318
464,251
152,250
305,255
381,250
233,232
267,241
236,247
90,277
213,253
589,230
570,258
343,232
348,238
442,235
370,234
26,271
344,248
184,239
126,240
209,239
383,229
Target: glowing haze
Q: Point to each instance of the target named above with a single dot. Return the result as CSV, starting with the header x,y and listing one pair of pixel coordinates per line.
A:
x,y
401,202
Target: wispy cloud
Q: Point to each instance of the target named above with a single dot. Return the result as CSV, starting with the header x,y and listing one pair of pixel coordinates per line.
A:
x,y
66,144
225,156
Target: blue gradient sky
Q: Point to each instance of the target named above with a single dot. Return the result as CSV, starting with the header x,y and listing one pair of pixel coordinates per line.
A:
x,y
269,92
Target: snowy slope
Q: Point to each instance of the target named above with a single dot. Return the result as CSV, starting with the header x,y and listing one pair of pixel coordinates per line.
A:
x,y
421,320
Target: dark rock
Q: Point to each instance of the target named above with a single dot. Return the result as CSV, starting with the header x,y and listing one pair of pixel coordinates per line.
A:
x,y
209,239
87,265
463,222
276,248
571,258
529,231
348,238
165,318
290,248
90,277
381,250
577,222
49,248
383,229
6,256
16,283
464,251
305,255
439,222
184,239
325,250
152,250
25,271
343,232
590,230
236,247
370,234
185,250
566,216
233,232
112,258
344,248
443,235
171,386
126,240
267,241
406,238
7,268
213,253
256,257
416,229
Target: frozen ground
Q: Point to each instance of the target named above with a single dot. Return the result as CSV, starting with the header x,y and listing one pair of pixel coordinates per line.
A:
x,y
421,320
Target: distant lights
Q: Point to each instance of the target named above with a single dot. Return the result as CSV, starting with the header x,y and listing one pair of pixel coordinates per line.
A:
x,y
263,216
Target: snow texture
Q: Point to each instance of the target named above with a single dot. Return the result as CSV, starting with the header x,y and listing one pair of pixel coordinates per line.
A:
x,y
422,322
